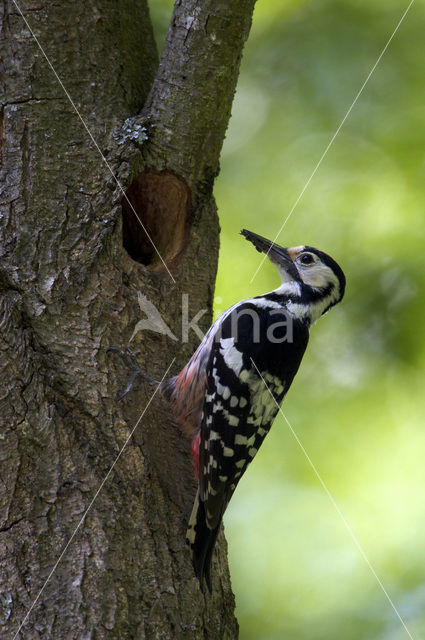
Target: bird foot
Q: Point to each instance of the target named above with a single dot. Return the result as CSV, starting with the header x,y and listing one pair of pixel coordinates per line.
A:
x,y
130,360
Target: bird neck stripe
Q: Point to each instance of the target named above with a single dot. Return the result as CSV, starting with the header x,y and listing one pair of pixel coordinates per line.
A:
x,y
310,311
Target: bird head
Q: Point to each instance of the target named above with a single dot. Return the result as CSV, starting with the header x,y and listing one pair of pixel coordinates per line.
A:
x,y
313,281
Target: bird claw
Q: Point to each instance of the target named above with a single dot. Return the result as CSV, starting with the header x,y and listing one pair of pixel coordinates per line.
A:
x,y
130,359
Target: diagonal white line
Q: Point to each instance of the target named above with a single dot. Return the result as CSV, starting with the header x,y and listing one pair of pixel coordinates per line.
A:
x,y
332,499
90,135
341,124
91,503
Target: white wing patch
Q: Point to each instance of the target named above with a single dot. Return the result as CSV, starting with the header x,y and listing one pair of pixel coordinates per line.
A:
x,y
231,356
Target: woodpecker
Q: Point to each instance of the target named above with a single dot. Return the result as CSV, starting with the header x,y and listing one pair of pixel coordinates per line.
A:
x,y
228,394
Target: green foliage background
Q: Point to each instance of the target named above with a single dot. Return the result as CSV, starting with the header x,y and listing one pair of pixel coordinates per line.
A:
x,y
357,404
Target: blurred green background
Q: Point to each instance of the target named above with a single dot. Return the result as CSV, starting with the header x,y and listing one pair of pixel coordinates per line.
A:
x,y
358,402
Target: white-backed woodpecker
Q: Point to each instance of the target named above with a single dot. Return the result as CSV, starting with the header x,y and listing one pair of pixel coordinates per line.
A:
x,y
228,394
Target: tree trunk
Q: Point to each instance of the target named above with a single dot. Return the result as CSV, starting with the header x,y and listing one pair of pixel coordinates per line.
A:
x,y
92,545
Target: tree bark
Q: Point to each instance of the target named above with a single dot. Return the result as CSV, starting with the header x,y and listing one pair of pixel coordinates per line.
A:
x,y
74,255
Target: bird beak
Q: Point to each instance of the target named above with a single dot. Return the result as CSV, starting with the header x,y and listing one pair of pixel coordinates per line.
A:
x,y
277,254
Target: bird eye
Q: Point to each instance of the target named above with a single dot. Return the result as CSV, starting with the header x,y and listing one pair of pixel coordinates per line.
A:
x,y
307,258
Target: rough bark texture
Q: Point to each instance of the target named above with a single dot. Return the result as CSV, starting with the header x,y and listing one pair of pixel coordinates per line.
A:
x,y
73,257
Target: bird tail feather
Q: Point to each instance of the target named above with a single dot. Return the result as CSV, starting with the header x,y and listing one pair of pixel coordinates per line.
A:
x,y
201,540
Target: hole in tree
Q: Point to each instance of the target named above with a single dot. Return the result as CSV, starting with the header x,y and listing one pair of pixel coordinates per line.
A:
x,y
156,212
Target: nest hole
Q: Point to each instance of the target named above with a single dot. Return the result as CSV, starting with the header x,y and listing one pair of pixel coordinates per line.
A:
x,y
155,219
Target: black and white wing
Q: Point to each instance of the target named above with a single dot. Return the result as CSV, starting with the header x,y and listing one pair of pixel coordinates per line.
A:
x,y
239,409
